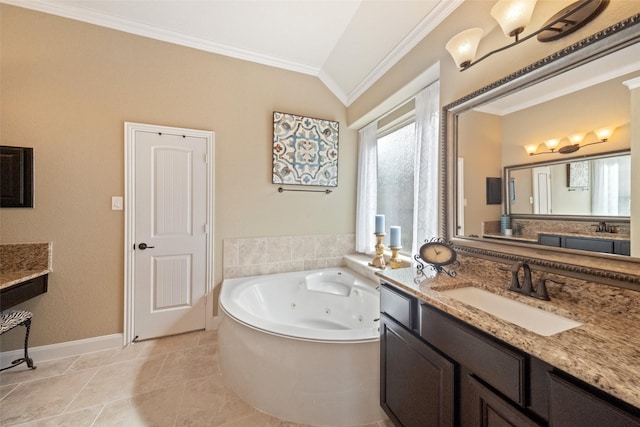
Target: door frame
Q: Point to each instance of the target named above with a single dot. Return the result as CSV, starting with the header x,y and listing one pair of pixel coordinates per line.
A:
x,y
130,129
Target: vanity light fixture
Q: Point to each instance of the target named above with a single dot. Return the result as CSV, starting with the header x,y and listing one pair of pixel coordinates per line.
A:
x,y
513,16
575,140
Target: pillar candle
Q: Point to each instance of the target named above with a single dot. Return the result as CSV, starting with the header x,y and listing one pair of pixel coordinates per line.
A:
x,y
395,236
379,224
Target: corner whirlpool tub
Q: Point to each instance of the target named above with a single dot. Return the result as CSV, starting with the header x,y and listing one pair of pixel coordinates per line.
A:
x,y
304,346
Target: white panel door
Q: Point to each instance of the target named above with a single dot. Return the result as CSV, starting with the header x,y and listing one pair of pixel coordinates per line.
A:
x,y
170,234
542,190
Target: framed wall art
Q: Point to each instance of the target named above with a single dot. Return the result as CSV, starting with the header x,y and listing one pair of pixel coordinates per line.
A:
x,y
305,150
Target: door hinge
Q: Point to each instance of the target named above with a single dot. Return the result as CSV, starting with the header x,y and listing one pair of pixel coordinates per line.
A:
x,y
206,228
206,158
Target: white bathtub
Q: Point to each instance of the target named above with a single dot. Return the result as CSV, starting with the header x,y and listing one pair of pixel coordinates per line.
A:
x,y
304,346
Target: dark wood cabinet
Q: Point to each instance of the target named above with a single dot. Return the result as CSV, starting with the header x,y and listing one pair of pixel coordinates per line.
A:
x,y
487,409
437,370
417,383
573,405
23,291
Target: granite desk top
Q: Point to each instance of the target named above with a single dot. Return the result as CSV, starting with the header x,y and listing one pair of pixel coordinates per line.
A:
x,y
604,351
9,279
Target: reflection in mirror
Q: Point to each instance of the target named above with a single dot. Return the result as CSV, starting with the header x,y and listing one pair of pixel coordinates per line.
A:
x,y
557,98
571,185
591,186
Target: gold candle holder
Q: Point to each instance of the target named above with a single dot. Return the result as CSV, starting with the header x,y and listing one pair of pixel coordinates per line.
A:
x,y
378,260
394,261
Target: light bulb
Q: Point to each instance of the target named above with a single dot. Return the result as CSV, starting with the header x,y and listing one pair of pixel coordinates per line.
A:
x,y
531,148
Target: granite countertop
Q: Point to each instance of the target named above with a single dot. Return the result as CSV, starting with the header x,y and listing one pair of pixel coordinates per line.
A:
x,y
604,351
13,278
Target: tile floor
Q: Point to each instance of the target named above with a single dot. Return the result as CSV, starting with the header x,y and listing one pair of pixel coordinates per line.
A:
x,y
151,383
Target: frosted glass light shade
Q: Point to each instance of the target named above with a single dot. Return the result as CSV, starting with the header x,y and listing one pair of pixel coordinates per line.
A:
x,y
577,138
463,46
604,133
552,143
513,15
531,148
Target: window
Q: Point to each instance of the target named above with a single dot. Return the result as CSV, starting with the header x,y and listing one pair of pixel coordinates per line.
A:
x,y
398,173
395,180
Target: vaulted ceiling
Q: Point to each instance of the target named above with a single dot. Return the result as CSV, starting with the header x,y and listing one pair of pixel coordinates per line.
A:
x,y
348,44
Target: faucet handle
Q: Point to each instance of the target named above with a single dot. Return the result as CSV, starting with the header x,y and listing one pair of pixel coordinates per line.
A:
x,y
541,288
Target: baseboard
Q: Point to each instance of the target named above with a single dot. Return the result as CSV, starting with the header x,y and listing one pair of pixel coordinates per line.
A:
x,y
64,349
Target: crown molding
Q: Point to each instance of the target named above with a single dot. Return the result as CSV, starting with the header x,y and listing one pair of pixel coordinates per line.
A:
x,y
132,27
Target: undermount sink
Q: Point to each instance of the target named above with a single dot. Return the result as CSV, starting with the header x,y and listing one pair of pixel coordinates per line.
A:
x,y
534,319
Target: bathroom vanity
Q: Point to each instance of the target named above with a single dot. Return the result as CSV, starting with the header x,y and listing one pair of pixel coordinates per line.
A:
x,y
24,273
445,363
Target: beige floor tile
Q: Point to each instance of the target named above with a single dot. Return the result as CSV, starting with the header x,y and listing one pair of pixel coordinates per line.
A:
x,y
43,398
46,369
207,402
119,381
81,418
104,357
156,408
6,389
208,337
188,364
262,420
165,345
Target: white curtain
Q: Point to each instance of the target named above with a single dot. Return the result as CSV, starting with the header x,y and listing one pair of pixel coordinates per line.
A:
x,y
606,177
425,206
367,189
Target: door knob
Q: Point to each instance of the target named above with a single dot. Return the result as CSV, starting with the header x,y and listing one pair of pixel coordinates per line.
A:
x,y
143,246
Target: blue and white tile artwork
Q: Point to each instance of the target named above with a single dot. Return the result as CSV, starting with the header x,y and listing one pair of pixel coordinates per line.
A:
x,y
305,150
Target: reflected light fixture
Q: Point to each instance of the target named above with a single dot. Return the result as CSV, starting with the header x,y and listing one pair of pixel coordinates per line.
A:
x,y
513,16
575,139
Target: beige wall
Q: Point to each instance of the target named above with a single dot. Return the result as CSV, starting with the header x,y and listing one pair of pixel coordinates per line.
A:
x,y
67,89
481,154
635,172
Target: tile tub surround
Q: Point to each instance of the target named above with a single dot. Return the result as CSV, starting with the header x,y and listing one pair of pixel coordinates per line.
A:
x,y
23,261
256,256
603,352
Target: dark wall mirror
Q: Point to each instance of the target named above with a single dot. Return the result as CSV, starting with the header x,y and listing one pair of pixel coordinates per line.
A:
x,y
556,109
16,177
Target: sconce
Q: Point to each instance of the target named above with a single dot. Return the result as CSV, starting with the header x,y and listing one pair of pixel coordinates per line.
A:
x,y
575,139
513,16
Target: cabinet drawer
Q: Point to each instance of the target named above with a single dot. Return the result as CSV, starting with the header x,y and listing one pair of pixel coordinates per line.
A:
x,y
497,365
549,240
399,306
594,245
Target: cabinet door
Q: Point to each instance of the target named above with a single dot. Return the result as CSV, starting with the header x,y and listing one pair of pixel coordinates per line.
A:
x,y
416,383
571,405
490,410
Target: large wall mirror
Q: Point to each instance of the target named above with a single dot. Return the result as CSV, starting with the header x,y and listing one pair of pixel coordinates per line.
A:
x,y
558,134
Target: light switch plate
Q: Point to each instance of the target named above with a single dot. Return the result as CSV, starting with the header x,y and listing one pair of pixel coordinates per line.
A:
x,y
116,203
